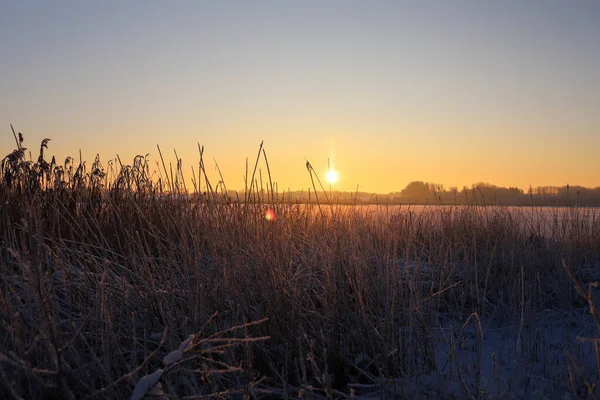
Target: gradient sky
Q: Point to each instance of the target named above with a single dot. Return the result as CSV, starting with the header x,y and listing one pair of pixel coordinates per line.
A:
x,y
452,92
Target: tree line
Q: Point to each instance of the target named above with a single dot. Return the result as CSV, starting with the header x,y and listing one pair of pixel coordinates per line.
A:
x,y
488,194
419,192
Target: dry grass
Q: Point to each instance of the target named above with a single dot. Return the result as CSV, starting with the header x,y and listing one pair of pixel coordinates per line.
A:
x,y
105,271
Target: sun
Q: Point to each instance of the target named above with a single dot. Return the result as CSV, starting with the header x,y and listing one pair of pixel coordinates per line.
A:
x,y
332,176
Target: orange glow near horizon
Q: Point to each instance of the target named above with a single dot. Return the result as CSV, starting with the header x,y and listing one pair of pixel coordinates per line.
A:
x,y
383,168
387,167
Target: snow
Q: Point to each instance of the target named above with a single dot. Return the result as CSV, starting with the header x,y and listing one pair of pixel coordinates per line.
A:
x,y
146,383
176,355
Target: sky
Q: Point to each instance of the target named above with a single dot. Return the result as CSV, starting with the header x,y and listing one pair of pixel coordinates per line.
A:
x,y
386,92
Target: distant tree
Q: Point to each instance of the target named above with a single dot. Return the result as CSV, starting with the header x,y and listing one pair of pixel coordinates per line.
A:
x,y
418,189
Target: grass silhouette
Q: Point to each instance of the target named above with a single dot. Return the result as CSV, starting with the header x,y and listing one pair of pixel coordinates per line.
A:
x,y
109,272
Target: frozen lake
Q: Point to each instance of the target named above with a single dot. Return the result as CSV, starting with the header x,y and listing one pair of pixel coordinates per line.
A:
x,y
542,220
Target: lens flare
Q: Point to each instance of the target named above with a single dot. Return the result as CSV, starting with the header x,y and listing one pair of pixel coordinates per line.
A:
x,y
270,215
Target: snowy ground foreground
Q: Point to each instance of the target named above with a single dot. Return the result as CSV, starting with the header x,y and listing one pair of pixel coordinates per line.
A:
x,y
496,357
501,356
513,361
481,360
